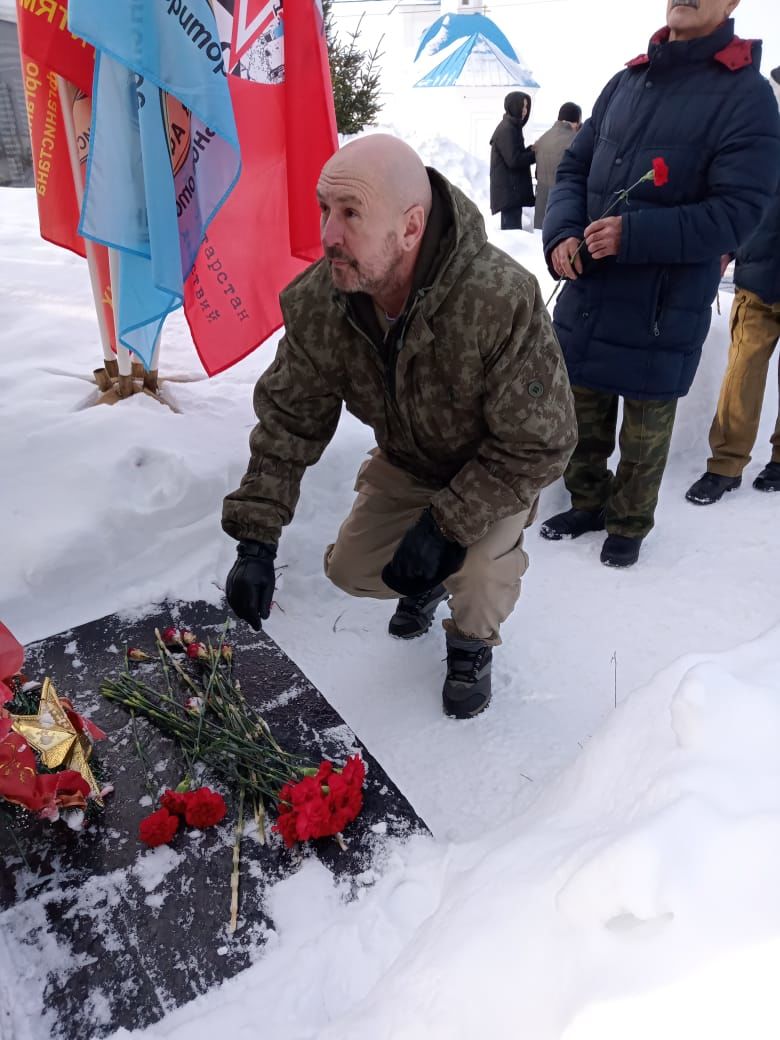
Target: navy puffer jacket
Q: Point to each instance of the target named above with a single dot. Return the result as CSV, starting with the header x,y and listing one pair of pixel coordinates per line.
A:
x,y
758,260
634,324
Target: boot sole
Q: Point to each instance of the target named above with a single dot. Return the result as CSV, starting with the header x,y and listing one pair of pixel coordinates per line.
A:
x,y
710,501
411,635
560,536
455,713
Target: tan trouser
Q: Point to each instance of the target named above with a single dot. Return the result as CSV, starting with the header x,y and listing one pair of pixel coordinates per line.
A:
x,y
755,329
389,500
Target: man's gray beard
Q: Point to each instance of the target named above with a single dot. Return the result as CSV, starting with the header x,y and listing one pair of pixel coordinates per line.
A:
x,y
685,3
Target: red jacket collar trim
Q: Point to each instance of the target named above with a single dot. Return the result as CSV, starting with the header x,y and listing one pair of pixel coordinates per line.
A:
x,y
736,55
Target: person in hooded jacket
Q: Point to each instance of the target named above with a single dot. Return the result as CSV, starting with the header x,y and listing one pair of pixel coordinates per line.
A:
x,y
511,186
637,302
755,331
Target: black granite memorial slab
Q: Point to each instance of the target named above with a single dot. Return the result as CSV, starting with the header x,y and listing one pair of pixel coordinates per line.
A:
x,y
99,932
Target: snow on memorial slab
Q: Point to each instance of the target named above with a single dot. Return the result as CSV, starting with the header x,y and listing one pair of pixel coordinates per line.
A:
x,y
102,932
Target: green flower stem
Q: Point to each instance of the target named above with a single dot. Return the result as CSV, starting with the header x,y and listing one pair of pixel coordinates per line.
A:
x,y
620,196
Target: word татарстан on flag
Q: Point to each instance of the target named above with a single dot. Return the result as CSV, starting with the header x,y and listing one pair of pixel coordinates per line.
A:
x,y
164,152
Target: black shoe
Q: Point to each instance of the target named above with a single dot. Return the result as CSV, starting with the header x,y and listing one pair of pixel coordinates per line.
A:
x,y
572,524
619,551
711,488
414,614
467,687
769,478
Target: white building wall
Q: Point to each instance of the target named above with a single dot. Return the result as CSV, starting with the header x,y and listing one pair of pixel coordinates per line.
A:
x,y
465,115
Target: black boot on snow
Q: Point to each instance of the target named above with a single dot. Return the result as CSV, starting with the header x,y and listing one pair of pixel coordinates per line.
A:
x,y
711,488
414,614
620,551
467,687
769,478
572,524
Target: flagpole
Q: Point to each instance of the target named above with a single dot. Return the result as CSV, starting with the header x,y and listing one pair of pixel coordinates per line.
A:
x,y
123,355
67,93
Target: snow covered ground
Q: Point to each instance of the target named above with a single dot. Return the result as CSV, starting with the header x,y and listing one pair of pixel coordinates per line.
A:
x,y
596,871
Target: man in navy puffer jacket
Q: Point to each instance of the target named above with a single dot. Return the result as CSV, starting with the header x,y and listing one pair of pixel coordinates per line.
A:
x,y
636,308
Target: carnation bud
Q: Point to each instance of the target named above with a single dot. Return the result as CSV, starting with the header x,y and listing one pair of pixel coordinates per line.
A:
x,y
134,654
171,636
188,637
227,651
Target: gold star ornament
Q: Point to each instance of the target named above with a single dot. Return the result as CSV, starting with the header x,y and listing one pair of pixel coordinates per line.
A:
x,y
55,738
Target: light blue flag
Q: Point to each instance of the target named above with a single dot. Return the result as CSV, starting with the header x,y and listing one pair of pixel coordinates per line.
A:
x,y
163,153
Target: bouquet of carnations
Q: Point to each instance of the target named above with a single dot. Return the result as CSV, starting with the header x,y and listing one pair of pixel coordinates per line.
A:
x,y
200,705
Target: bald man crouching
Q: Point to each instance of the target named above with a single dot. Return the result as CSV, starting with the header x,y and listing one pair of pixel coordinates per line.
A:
x,y
441,344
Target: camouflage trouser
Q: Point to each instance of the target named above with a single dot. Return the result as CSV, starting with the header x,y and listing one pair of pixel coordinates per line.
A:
x,y
630,495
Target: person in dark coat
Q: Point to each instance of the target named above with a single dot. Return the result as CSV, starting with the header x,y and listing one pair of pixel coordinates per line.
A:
x,y
636,306
511,187
755,331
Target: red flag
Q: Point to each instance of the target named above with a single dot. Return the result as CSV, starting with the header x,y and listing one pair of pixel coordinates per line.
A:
x,y
267,231
310,119
48,51
44,37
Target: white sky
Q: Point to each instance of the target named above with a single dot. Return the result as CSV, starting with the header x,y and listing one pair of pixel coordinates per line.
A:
x,y
574,46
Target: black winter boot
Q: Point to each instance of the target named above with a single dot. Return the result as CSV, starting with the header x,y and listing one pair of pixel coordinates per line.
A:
x,y
467,687
414,614
769,478
572,524
711,487
619,551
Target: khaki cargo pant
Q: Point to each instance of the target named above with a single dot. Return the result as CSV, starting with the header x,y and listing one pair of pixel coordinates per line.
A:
x,y
630,495
755,330
389,500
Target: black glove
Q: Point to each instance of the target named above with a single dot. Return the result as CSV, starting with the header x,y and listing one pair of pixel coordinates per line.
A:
x,y
423,559
250,585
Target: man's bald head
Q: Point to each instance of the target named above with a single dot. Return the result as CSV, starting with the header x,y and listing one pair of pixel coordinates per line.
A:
x,y
385,165
375,198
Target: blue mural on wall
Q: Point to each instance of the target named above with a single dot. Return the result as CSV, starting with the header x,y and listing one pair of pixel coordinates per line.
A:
x,y
481,37
457,26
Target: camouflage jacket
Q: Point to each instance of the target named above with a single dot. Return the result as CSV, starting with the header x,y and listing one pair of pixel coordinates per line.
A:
x,y
470,393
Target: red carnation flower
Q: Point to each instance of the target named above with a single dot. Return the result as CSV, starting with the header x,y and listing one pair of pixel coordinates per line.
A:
x,y
285,825
660,172
171,636
204,808
175,802
158,829
321,805
197,651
